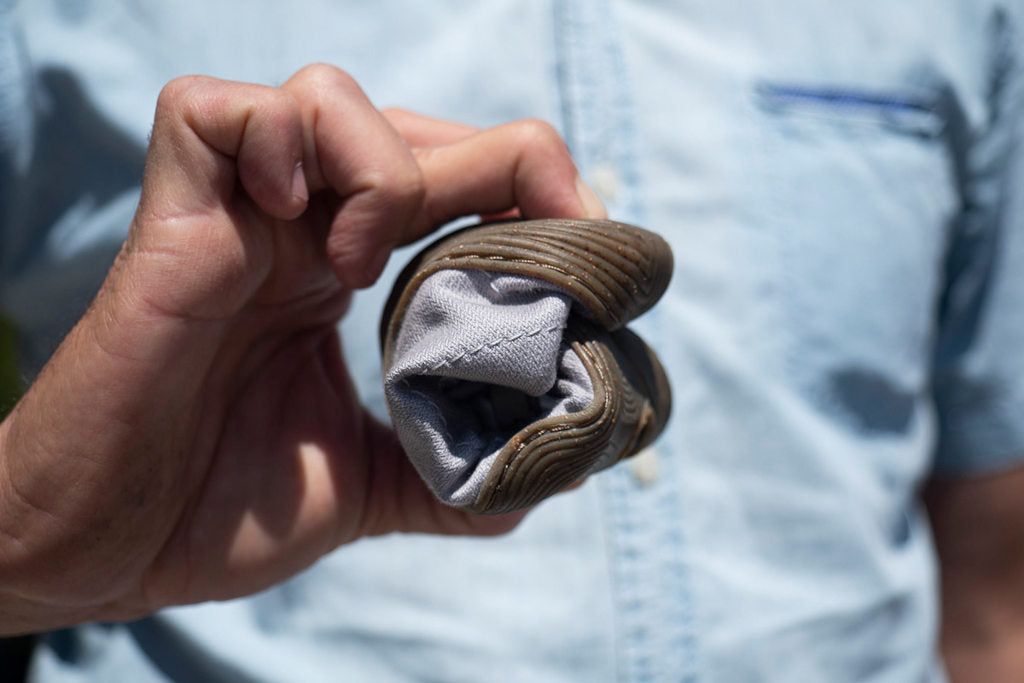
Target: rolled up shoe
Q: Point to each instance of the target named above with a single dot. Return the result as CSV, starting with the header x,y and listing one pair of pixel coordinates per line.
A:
x,y
508,371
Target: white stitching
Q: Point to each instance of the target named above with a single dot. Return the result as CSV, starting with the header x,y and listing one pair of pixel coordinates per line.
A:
x,y
496,343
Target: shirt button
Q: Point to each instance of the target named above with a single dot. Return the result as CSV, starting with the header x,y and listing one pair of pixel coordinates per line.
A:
x,y
645,467
605,181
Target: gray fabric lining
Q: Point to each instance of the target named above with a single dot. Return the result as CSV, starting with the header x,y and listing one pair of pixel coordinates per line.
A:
x,y
478,357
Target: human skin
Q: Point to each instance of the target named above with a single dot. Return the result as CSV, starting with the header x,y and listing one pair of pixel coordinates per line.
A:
x,y
197,436
978,524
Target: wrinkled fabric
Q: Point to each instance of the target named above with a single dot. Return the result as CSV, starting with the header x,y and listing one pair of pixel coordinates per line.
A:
x,y
478,356
839,183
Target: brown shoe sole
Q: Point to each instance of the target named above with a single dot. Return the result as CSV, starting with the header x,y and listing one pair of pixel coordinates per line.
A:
x,y
614,272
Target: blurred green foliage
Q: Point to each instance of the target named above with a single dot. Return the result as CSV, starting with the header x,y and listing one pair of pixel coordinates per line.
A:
x,y
14,652
11,384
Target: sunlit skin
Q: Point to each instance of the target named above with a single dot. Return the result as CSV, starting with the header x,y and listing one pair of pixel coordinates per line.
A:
x,y
197,435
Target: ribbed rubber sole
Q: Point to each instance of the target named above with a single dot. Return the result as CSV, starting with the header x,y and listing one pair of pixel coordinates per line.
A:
x,y
630,408
614,272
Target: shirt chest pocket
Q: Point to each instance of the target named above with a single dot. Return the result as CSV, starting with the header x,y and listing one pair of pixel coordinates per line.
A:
x,y
860,193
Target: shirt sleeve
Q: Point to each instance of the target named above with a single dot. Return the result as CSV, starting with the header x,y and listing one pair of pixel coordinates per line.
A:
x,y
978,374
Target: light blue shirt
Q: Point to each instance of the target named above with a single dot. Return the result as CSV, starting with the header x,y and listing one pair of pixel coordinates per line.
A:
x,y
843,188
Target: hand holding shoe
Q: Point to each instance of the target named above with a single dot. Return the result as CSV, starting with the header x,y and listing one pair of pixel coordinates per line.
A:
x,y
197,436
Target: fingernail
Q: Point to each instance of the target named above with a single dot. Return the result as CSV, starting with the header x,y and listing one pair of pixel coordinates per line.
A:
x,y
376,264
299,189
592,204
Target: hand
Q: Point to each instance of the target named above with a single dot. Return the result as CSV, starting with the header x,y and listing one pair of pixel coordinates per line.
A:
x,y
197,435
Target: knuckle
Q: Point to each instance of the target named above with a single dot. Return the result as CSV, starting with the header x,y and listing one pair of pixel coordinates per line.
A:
x,y
179,92
322,75
538,134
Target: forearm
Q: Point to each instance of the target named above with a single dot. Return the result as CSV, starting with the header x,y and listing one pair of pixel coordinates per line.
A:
x,y
982,631
979,532
47,579
20,612
74,485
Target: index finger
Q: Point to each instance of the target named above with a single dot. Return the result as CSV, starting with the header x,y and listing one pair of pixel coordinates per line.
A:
x,y
522,165
419,130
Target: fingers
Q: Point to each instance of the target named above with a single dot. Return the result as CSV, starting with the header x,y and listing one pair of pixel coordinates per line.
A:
x,y
319,132
522,165
424,131
207,132
516,151
350,148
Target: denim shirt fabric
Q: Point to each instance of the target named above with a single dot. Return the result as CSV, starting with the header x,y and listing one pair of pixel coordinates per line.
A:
x,y
843,188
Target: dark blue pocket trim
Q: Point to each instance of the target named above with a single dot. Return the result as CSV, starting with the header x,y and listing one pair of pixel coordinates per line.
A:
x,y
908,114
